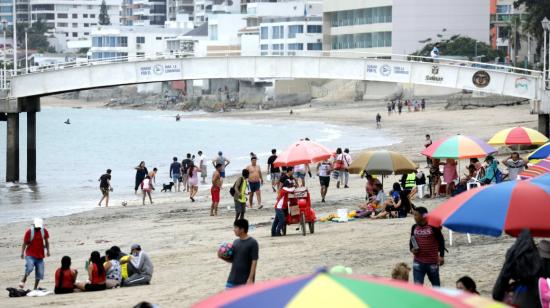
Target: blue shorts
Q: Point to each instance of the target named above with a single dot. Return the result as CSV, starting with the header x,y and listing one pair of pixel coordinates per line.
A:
x,y
300,175
36,264
176,178
254,186
222,174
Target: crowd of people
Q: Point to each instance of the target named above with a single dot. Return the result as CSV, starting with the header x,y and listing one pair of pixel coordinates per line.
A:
x,y
396,106
114,269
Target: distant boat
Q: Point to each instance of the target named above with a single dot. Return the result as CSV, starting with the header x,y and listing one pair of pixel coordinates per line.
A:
x,y
68,121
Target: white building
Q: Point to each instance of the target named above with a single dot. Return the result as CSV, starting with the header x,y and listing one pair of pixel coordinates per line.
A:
x,y
178,7
401,26
289,36
70,20
122,42
143,12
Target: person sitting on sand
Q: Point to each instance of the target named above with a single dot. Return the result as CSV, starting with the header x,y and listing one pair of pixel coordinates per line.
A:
x,y
376,206
371,183
467,284
140,267
397,206
401,272
65,277
113,269
491,171
96,275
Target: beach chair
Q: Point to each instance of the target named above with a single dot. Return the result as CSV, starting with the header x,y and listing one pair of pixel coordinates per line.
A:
x,y
474,182
451,238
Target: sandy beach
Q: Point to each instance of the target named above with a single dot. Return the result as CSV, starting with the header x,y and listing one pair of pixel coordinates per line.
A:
x,y
182,239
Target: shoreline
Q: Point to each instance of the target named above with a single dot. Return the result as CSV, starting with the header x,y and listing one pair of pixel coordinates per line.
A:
x,y
182,239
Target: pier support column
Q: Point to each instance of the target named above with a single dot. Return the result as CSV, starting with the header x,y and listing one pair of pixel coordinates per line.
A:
x,y
31,147
12,153
544,124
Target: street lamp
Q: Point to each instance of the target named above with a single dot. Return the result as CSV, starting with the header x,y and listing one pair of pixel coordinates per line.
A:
x,y
4,25
546,26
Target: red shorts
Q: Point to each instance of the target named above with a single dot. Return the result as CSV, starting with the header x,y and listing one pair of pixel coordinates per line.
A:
x,y
215,191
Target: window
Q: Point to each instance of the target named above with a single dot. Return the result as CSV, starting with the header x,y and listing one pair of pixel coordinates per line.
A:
x,y
75,25
314,29
62,15
92,15
296,46
294,29
43,7
382,14
278,32
75,16
314,46
504,9
86,25
84,15
62,24
140,40
140,54
264,47
86,33
277,49
158,38
362,40
75,34
263,33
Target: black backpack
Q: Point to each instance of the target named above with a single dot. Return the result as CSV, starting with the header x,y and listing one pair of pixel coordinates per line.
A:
x,y
232,190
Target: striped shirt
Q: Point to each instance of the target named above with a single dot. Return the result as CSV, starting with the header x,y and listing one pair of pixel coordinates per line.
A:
x,y
428,251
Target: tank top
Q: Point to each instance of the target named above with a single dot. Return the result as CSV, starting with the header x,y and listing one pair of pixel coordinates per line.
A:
x,y
68,279
114,271
324,169
96,278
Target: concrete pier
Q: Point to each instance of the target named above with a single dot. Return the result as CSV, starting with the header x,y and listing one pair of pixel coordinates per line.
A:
x,y
12,153
31,147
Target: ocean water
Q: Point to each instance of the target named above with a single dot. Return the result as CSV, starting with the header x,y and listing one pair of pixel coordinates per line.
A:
x,y
70,158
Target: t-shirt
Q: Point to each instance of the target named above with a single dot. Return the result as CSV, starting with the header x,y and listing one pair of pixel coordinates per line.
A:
x,y
380,197
104,180
514,168
286,181
201,160
221,160
346,159
270,162
428,251
35,248
300,168
244,252
175,168
185,164
324,169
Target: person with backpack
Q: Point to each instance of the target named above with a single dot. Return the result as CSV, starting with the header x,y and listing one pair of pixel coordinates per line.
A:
x,y
35,241
492,173
239,191
428,247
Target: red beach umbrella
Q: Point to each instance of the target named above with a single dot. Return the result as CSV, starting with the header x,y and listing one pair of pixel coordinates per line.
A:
x,y
303,152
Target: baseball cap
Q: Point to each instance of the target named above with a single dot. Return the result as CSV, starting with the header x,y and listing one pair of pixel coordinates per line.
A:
x,y
38,222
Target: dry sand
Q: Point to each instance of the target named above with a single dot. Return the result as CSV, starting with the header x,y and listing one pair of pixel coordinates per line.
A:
x,y
182,239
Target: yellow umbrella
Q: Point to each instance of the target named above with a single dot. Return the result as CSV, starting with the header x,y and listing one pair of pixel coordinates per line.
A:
x,y
383,163
518,136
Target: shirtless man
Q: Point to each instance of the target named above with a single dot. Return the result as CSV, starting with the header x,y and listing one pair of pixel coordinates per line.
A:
x,y
255,180
217,183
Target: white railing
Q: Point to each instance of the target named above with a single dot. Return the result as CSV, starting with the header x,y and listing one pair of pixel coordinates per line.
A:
x,y
4,80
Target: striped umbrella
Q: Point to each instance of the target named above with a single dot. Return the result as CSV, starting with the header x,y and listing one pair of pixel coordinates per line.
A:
x,y
542,152
518,136
542,167
383,163
458,147
506,207
331,290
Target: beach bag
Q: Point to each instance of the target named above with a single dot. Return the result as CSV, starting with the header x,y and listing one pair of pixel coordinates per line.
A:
x,y
338,164
232,190
335,174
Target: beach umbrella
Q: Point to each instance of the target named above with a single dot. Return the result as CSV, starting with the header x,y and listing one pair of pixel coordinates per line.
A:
x,y
334,290
518,136
382,162
459,147
491,210
303,152
542,152
541,167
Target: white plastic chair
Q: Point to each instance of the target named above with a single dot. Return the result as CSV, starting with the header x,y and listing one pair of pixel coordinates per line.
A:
x,y
451,238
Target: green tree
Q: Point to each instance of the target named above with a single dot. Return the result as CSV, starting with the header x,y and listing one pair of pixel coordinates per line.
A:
x,y
460,46
104,19
535,11
36,35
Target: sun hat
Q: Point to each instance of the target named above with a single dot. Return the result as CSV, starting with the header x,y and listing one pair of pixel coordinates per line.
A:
x,y
544,249
38,222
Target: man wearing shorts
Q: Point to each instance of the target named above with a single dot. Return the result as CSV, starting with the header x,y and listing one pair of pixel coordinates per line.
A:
x,y
241,187
32,251
221,160
105,187
185,165
323,171
273,171
202,167
175,172
255,181
300,174
217,183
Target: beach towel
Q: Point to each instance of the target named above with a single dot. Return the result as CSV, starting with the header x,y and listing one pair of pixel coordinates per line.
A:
x,y
38,293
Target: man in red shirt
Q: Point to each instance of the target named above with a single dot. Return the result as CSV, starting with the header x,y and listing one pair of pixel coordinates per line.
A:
x,y
428,246
32,250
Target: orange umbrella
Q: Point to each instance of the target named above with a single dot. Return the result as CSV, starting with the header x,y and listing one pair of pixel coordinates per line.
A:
x,y
303,152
